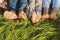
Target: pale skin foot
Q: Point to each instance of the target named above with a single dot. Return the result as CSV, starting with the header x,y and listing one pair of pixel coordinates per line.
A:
x,y
44,16
10,15
38,17
22,15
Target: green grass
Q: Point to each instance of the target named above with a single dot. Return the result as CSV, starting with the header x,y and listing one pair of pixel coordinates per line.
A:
x,y
46,29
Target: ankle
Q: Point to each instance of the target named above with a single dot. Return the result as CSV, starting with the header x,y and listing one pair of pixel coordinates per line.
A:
x,y
45,10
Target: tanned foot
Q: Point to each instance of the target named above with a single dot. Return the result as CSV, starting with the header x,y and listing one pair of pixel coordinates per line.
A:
x,y
10,15
44,16
22,15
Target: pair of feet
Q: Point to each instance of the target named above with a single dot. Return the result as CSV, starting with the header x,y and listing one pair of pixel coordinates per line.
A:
x,y
36,16
12,15
52,16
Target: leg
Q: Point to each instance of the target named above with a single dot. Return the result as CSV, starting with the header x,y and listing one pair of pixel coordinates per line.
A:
x,y
32,13
38,5
12,4
22,5
46,4
31,7
56,4
38,9
55,7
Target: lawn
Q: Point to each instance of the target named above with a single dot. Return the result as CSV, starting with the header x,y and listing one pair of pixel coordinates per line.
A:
x,y
46,29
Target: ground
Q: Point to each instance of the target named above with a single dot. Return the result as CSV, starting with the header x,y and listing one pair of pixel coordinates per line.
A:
x,y
46,29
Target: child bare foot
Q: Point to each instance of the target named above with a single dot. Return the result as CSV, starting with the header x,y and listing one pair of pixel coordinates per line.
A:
x,y
22,15
44,16
10,15
38,17
34,17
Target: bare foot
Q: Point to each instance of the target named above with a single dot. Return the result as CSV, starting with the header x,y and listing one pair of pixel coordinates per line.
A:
x,y
38,17
53,16
3,5
44,16
22,15
10,15
34,17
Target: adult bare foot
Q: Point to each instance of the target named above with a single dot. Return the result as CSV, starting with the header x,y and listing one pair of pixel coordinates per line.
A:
x,y
10,15
22,15
38,17
34,17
